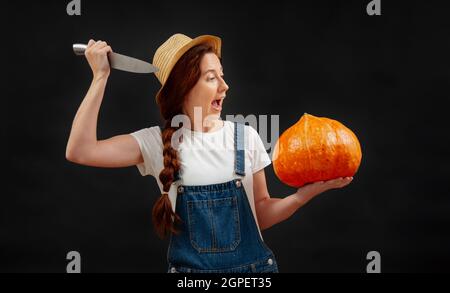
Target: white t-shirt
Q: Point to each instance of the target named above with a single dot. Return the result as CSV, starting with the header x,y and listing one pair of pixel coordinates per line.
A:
x,y
206,157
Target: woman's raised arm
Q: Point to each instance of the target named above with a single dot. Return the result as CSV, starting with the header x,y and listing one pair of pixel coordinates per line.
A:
x,y
83,146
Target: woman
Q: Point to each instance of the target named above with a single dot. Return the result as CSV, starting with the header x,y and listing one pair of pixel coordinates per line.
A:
x,y
214,201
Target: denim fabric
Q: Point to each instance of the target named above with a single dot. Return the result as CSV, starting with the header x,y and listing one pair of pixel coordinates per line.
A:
x,y
218,233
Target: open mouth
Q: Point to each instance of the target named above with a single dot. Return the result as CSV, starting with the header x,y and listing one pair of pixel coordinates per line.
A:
x,y
217,104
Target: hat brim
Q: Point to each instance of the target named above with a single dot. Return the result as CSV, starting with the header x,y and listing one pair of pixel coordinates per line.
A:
x,y
216,43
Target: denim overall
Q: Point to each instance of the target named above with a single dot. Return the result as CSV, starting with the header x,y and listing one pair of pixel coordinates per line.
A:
x,y
218,233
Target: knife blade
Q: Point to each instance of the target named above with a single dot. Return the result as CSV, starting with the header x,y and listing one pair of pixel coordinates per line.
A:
x,y
121,62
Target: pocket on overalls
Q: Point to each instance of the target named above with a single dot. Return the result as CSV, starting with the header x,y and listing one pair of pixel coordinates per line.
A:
x,y
214,224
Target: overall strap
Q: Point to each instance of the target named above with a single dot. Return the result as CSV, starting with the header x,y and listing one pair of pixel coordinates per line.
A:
x,y
239,147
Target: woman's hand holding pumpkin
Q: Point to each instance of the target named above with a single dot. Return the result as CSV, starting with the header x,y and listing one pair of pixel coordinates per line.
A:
x,y
308,191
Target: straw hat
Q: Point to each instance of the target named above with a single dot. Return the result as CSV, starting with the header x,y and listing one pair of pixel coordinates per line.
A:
x,y
167,55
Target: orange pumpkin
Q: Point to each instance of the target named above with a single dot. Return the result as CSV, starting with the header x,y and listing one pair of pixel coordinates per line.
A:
x,y
316,149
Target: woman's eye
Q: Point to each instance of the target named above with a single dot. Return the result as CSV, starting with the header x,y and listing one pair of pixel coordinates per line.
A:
x,y
211,78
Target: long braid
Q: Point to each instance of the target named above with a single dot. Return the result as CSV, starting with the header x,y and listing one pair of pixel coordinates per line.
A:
x,y
164,218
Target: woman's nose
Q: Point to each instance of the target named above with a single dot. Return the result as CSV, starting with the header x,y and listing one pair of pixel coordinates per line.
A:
x,y
224,85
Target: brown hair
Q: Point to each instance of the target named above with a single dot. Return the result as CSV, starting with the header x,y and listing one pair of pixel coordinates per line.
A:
x,y
170,99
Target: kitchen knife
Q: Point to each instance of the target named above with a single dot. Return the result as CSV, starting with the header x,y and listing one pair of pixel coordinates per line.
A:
x,y
121,62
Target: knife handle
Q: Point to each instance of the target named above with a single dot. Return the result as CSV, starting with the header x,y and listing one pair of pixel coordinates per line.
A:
x,y
79,49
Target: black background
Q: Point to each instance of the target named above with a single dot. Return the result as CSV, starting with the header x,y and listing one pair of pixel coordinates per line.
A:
x,y
385,77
